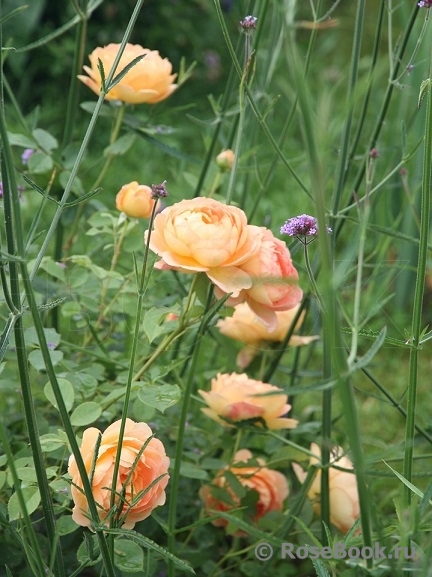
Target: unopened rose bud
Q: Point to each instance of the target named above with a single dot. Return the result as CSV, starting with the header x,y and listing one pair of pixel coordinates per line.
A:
x,y
225,160
135,200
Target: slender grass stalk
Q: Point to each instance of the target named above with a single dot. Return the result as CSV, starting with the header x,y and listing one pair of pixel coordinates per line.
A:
x,y
363,216
395,403
419,292
379,123
297,505
282,347
175,478
72,105
139,307
352,82
367,99
238,138
335,360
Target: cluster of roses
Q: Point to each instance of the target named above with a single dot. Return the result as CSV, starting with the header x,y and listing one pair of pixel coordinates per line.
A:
x,y
143,472
243,261
254,269
236,398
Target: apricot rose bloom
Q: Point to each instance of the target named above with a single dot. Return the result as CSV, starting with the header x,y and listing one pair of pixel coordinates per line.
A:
x,y
238,398
152,467
344,500
271,486
149,81
274,281
246,327
205,235
135,200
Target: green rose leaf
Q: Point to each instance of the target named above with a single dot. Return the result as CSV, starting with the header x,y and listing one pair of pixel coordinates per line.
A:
x,y
85,414
67,392
32,499
128,556
160,396
66,525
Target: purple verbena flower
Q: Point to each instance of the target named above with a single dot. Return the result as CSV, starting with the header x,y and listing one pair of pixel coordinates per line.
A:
x,y
425,4
159,190
249,23
26,155
303,225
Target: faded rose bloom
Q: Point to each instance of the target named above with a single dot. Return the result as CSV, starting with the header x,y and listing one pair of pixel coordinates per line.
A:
x,y
274,281
225,160
149,81
152,465
246,327
135,200
344,500
238,398
205,235
271,486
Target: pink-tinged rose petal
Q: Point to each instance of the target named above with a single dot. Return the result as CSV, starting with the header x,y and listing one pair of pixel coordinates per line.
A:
x,y
237,398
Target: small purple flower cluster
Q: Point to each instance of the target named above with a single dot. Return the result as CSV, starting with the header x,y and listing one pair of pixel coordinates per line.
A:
x,y
159,190
303,225
249,23
425,4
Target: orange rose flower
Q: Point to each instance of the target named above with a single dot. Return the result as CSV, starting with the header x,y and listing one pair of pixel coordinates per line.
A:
x,y
149,81
274,286
344,500
238,398
204,235
138,502
246,327
135,200
271,486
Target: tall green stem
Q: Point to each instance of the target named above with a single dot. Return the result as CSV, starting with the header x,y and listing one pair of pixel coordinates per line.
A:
x,y
139,307
419,291
344,148
175,478
335,360
15,246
